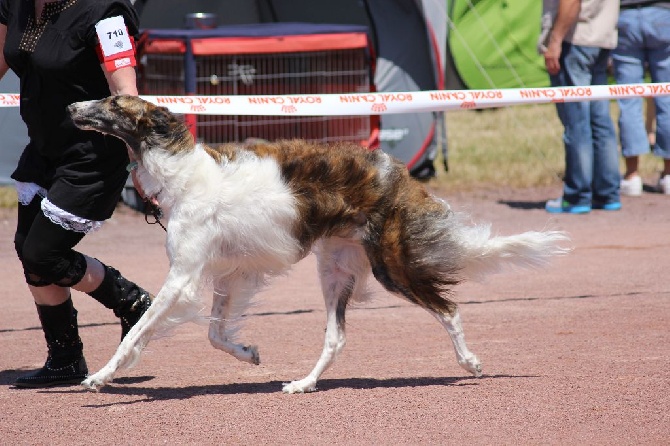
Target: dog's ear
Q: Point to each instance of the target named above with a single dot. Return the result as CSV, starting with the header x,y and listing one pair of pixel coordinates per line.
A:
x,y
154,120
162,120
160,128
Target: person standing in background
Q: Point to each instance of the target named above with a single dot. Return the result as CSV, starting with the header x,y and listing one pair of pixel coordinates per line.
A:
x,y
576,40
644,40
68,180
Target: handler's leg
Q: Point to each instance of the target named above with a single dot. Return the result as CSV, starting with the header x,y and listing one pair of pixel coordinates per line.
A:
x,y
65,362
51,268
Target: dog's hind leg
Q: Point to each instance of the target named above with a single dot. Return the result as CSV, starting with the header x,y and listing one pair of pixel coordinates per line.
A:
x,y
230,301
176,287
423,289
343,270
336,297
466,359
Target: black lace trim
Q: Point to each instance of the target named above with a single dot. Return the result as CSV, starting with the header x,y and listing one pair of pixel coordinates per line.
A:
x,y
75,272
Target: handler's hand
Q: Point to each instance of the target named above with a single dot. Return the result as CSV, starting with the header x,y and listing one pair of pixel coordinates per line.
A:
x,y
552,58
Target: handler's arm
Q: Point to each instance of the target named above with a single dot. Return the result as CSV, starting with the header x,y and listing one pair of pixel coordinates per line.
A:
x,y
121,81
568,12
124,81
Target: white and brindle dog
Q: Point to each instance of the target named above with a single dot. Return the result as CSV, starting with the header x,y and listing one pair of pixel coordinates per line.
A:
x,y
240,214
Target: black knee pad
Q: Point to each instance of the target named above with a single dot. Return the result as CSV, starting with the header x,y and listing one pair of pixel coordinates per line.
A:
x,y
43,268
32,279
46,249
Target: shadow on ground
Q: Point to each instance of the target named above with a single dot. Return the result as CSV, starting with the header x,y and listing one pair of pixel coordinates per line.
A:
x,y
524,205
149,394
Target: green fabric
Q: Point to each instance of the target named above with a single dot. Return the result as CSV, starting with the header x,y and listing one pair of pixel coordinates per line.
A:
x,y
494,44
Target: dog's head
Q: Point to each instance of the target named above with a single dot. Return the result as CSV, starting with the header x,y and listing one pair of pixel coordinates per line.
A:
x,y
141,124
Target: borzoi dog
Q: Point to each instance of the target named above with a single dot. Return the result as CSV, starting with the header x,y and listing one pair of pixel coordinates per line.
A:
x,y
240,214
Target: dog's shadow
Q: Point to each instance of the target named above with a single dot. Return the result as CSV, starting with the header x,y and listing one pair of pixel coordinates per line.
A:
x,y
150,394
124,386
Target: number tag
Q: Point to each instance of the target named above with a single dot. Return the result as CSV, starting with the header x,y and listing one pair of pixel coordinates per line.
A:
x,y
113,36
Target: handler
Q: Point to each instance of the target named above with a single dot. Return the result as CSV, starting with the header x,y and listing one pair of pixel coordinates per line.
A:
x,y
68,180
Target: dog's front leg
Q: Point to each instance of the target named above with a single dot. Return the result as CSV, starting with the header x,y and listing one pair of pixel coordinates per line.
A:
x,y
229,303
130,348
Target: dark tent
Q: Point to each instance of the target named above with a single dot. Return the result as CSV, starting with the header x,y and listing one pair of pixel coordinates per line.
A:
x,y
408,38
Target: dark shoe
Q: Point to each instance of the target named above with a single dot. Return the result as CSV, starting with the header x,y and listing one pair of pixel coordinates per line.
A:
x,y
128,300
65,363
50,375
131,315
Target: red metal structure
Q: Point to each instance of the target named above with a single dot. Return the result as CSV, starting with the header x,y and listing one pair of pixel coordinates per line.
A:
x,y
262,59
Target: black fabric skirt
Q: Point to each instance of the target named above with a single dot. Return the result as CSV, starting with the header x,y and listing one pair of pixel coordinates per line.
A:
x,y
86,178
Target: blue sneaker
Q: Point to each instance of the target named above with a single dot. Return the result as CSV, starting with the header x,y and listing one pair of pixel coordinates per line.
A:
x,y
560,206
613,206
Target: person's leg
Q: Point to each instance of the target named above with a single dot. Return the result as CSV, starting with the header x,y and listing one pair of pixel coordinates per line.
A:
x,y
657,33
128,300
606,176
650,120
48,253
65,362
628,60
104,283
664,181
575,117
52,267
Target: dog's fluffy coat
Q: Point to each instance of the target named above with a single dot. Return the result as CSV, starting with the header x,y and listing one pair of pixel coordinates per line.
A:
x,y
242,213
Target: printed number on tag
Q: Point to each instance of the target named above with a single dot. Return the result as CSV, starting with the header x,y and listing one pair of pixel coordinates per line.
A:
x,y
113,36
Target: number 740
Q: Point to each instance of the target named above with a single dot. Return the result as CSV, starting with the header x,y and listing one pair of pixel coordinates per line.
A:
x,y
117,33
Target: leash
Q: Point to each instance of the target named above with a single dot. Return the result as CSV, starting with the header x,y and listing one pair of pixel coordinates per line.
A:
x,y
151,210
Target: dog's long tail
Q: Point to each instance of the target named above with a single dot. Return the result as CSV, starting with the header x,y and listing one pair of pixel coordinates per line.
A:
x,y
484,254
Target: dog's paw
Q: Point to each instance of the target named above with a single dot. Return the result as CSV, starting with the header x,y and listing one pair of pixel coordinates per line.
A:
x,y
472,365
253,357
302,386
94,383
91,385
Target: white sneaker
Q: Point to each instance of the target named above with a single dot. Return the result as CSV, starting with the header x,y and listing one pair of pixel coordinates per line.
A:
x,y
664,185
633,187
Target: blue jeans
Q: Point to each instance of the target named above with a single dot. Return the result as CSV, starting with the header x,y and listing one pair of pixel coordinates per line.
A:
x,y
591,148
644,38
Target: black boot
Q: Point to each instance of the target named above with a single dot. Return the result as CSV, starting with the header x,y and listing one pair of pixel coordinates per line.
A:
x,y
127,299
65,363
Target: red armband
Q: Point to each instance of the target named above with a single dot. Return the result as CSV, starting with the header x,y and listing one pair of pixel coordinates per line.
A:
x,y
118,60
115,49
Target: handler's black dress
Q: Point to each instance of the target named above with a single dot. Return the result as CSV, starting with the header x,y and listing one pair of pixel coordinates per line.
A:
x,y
56,61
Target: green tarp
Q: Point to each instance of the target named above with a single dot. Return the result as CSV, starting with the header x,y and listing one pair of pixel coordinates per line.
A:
x,y
493,43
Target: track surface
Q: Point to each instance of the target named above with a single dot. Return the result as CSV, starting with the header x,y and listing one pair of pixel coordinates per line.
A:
x,y
578,353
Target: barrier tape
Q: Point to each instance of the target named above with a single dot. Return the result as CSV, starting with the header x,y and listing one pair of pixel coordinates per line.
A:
x,y
381,103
